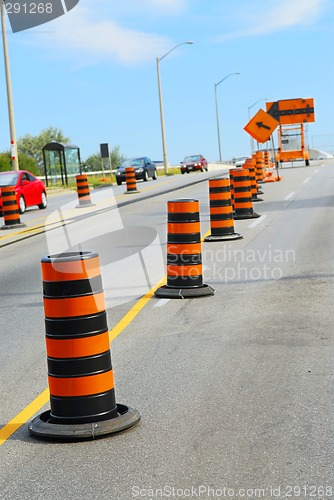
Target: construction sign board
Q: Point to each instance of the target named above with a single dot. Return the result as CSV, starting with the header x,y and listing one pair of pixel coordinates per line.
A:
x,y
289,111
261,126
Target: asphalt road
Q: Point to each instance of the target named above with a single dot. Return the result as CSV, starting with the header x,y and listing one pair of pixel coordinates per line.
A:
x,y
234,390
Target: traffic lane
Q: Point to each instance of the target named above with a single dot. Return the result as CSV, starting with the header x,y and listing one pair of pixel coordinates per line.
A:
x,y
21,278
277,357
130,265
237,387
57,199
104,199
221,382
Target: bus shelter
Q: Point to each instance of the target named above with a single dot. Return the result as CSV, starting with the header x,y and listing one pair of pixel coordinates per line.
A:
x,y
61,161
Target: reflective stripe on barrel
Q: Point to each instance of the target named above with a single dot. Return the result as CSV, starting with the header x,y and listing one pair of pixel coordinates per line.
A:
x,y
80,373
81,386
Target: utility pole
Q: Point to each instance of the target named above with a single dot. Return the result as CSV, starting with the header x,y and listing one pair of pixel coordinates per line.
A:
x,y
13,146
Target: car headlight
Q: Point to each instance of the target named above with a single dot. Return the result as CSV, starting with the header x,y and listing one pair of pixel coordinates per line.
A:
x,y
197,164
140,169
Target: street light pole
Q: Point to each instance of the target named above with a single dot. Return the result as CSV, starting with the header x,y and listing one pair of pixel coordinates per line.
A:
x,y
15,162
249,108
217,116
218,130
162,120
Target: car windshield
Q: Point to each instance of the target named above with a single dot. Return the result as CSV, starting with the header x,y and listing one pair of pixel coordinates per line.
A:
x,y
8,178
136,162
188,159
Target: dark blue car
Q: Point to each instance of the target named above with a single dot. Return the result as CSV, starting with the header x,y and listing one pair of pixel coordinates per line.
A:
x,y
144,168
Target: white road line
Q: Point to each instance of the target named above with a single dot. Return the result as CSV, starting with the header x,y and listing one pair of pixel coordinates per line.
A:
x,y
257,221
288,196
161,302
316,171
306,180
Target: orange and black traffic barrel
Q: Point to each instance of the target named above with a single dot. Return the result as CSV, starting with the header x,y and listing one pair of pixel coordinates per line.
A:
x,y
250,166
258,172
268,172
221,213
243,205
184,252
130,179
83,191
11,214
267,159
259,166
80,373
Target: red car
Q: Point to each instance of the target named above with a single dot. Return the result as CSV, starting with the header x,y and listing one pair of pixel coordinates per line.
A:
x,y
193,163
29,190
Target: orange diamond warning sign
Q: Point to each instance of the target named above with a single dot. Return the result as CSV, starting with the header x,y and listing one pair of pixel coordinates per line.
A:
x,y
261,126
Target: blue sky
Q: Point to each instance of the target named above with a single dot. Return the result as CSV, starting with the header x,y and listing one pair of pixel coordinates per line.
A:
x,y
92,73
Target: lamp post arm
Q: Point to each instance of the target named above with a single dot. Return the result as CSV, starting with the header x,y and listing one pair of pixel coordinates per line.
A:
x,y
171,50
262,99
230,74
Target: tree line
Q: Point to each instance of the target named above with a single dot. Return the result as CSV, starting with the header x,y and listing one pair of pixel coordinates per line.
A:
x,y
30,154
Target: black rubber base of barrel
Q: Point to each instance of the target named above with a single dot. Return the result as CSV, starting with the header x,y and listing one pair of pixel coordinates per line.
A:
x,y
257,199
86,205
254,215
224,237
169,292
131,192
13,226
41,426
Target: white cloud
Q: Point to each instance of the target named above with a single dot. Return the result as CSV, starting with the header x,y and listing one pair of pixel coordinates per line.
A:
x,y
82,33
280,15
292,12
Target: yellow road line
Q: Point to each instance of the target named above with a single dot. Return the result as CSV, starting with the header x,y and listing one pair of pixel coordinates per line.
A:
x,y
20,419
28,230
130,315
13,425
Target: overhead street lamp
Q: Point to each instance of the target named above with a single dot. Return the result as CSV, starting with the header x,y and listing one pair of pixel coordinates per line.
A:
x,y
15,162
164,149
217,116
249,108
